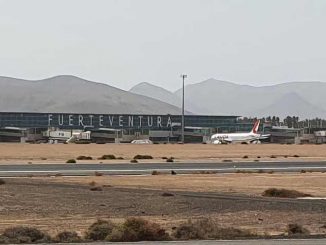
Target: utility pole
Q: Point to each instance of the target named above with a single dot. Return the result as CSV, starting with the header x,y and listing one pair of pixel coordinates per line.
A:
x,y
184,76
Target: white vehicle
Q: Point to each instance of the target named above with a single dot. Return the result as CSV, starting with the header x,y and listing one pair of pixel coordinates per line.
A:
x,y
252,137
141,142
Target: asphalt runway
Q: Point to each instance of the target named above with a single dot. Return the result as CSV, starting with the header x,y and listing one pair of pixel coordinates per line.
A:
x,y
147,168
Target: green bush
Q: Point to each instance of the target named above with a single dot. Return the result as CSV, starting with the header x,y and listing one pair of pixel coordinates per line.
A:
x,y
21,234
143,157
99,230
71,161
138,229
284,193
67,237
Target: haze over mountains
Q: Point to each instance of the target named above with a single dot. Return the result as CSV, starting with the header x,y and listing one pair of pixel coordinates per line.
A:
x,y
214,97
69,94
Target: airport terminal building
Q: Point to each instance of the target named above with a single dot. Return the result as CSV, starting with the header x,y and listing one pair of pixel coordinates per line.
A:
x,y
104,128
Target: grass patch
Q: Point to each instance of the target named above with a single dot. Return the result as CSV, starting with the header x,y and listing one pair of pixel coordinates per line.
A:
x,y
71,161
284,193
143,157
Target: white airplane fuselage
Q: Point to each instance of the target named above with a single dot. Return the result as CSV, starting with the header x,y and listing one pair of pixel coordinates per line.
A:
x,y
235,137
249,137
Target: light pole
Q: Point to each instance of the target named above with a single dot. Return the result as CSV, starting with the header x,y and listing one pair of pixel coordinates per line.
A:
x,y
184,76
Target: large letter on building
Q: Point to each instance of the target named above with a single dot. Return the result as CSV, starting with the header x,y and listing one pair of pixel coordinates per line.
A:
x,y
169,124
120,121
49,119
131,121
100,121
159,122
80,120
71,120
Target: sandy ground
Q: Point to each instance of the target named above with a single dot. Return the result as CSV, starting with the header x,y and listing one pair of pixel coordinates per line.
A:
x,y
35,153
54,204
239,183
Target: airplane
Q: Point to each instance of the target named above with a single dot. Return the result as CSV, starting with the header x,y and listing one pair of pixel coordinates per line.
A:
x,y
252,137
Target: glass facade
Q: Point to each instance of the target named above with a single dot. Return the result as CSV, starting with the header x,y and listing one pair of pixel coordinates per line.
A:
x,y
115,121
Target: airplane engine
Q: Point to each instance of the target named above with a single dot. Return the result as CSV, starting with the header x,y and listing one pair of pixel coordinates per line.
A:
x,y
217,142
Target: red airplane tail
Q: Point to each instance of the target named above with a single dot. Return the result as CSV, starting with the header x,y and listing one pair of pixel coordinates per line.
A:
x,y
255,127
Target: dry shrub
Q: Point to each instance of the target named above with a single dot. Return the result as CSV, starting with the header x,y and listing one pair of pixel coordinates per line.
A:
x,y
71,161
107,157
138,229
21,234
133,161
284,193
296,229
170,159
2,182
245,157
206,229
272,156
227,160
154,172
84,158
92,183
96,188
303,171
98,173
167,194
296,156
143,157
173,172
99,230
67,237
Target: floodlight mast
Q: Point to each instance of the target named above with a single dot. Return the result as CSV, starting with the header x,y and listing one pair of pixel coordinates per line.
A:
x,y
184,76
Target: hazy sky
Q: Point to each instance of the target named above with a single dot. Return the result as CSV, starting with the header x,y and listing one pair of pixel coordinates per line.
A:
x,y
124,42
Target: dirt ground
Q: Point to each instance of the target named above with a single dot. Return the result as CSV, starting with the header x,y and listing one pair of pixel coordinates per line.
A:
x,y
240,183
55,204
35,153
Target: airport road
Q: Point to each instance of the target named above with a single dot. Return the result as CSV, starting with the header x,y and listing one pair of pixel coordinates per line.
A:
x,y
237,242
147,168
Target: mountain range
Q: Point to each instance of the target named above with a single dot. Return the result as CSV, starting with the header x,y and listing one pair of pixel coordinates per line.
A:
x,y
214,97
70,94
